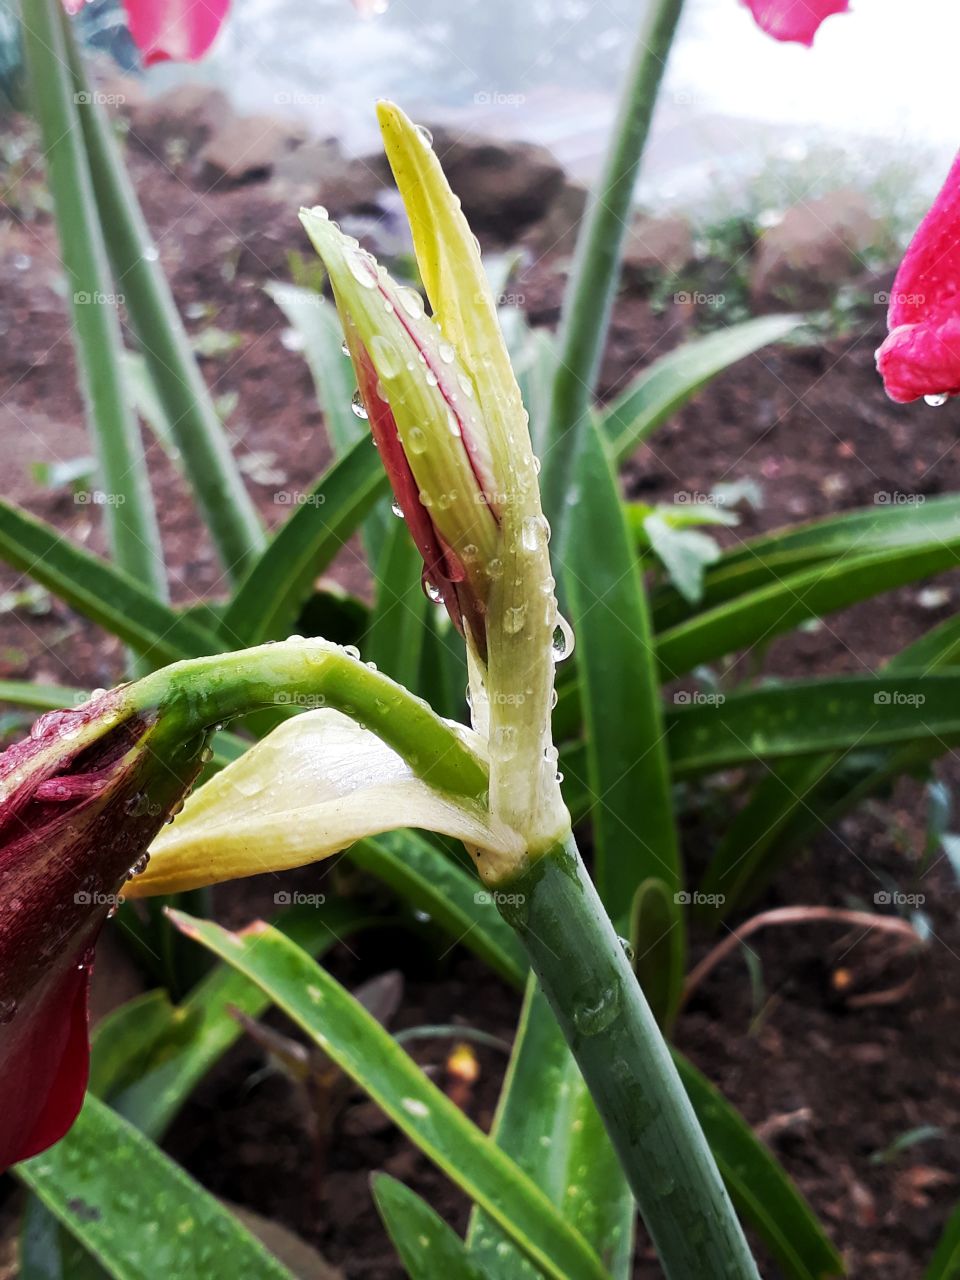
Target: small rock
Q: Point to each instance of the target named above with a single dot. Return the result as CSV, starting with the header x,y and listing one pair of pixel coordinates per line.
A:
x,y
817,245
188,114
656,247
245,149
504,186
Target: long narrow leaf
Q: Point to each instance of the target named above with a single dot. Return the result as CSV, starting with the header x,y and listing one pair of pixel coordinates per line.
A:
x,y
394,640
271,595
945,1264
428,1248
100,592
627,764
128,507
136,1211
671,380
360,1046
227,508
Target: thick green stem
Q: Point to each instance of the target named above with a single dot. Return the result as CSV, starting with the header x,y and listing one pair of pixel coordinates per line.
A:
x,y
199,434
590,292
127,498
310,674
591,987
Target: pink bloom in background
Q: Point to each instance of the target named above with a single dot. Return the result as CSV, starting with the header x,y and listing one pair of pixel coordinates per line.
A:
x,y
797,20
921,355
170,30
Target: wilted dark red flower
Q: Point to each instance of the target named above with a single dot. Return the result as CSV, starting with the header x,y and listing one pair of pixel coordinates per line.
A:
x,y
80,801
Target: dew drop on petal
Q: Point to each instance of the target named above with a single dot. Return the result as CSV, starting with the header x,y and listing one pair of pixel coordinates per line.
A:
x,y
396,508
357,405
446,352
563,639
425,136
936,399
385,358
411,302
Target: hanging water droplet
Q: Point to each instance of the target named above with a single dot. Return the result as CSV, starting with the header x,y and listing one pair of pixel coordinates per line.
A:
x,y
396,508
431,590
357,405
139,867
344,349
936,399
554,699
628,950
536,464
426,137
563,639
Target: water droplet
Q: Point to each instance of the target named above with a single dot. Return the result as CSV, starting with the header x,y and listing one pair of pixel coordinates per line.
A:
x,y
446,353
344,349
453,422
411,302
431,590
628,950
139,867
357,405
513,619
352,651
426,137
151,254
362,270
417,440
292,340
535,533
563,639
495,568
466,386
385,357
396,508
595,1010
936,399
431,377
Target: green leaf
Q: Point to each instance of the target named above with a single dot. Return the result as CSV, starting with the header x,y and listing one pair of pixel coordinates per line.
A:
x,y
778,555
136,1211
273,592
428,880
658,951
204,1027
367,1053
394,640
194,423
671,380
627,764
128,510
803,717
100,592
428,1248
684,553
125,1039
48,1251
547,1122
757,616
945,1264
317,323
760,1188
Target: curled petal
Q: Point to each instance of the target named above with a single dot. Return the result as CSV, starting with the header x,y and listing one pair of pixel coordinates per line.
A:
x,y
312,787
794,20
174,30
921,355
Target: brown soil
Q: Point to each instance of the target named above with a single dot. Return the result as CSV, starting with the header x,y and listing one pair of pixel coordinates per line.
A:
x,y
830,1083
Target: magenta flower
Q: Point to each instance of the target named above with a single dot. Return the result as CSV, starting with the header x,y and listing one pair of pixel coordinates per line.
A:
x,y
170,30
797,20
921,355
80,801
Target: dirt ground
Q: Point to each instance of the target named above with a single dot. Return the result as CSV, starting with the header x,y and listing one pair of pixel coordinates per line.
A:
x,y
830,1085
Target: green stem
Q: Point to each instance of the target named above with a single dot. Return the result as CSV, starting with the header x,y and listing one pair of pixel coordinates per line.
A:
x,y
194,423
590,292
587,978
129,511
312,673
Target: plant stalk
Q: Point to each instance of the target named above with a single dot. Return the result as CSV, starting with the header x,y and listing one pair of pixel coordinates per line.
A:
x,y
199,434
129,511
588,980
588,300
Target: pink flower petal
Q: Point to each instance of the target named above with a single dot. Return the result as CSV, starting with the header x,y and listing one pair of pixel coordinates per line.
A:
x,y
797,20
921,355
177,30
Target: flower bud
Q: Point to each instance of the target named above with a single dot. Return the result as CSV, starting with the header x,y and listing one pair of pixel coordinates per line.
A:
x,y
80,801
